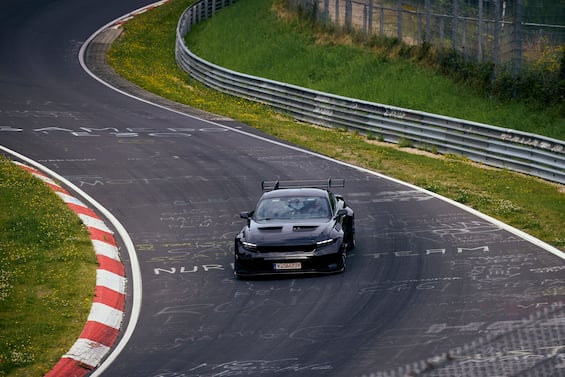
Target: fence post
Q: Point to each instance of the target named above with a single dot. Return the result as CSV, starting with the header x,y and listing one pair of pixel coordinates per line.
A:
x,y
455,24
517,63
348,14
480,33
337,13
371,10
419,26
427,10
381,21
497,26
399,19
365,20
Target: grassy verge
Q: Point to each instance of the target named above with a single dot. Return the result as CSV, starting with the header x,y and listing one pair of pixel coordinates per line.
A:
x,y
47,274
145,55
276,44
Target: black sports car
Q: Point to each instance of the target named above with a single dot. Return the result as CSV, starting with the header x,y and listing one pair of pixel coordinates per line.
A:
x,y
296,227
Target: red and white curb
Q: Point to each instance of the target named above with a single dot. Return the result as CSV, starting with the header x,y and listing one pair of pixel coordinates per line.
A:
x,y
107,312
131,15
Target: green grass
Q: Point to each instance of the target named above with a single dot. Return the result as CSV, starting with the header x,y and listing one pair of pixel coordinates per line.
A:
x,y
145,55
47,274
299,53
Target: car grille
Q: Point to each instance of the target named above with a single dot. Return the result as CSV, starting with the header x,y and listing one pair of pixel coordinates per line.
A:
x,y
287,249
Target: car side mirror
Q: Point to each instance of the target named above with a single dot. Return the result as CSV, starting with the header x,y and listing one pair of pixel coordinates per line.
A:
x,y
244,215
342,212
340,198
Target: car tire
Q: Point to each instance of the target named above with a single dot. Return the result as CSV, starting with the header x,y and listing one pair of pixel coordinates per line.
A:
x,y
343,264
350,233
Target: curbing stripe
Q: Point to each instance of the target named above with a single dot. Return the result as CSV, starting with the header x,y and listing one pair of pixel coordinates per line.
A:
x,y
100,235
67,198
111,265
110,297
93,222
99,333
102,248
68,367
107,312
106,315
110,280
57,188
86,354
82,210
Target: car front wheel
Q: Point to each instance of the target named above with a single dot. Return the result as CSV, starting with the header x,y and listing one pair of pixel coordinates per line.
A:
x,y
349,227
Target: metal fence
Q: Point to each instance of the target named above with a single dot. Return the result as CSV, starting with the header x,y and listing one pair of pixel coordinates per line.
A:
x,y
515,34
505,148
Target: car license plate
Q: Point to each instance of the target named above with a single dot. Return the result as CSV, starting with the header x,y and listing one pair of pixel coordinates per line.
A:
x,y
288,266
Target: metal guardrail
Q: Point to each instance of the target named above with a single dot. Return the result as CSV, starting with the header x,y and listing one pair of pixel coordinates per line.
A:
x,y
523,152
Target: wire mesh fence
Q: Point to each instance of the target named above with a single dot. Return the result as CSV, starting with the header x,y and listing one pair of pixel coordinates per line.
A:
x,y
517,34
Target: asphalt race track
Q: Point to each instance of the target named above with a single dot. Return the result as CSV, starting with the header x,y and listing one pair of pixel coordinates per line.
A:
x,y
426,277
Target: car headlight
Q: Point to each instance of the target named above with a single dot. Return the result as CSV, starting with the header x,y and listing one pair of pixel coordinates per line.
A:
x,y
325,242
249,246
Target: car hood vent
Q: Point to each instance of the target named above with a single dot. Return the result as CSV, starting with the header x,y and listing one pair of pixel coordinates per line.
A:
x,y
270,228
304,228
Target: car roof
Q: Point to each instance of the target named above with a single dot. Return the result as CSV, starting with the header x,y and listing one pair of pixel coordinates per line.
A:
x,y
305,191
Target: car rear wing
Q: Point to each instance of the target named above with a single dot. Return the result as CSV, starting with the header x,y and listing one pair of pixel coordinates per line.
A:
x,y
305,183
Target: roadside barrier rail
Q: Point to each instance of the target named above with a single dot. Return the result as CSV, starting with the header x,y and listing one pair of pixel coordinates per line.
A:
x,y
510,149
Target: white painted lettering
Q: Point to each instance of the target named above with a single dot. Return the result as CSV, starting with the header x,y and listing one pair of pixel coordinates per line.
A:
x,y
8,128
159,270
435,251
74,133
376,255
105,129
52,129
208,267
481,248
165,134
406,253
94,183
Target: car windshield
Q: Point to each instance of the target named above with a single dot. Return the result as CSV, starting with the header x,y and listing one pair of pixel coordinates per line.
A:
x,y
295,207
